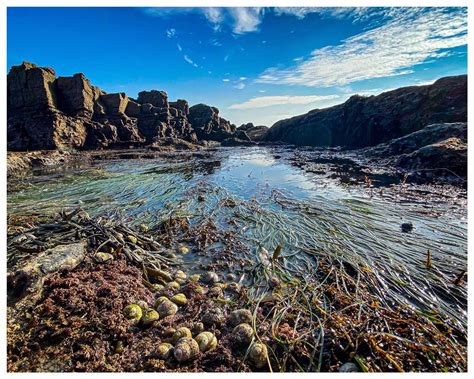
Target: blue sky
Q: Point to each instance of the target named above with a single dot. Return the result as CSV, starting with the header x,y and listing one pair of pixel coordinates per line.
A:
x,y
255,64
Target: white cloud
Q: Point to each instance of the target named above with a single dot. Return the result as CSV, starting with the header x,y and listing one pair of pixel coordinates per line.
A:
x,y
226,58
242,78
170,33
268,101
179,47
190,61
410,38
246,19
240,86
225,80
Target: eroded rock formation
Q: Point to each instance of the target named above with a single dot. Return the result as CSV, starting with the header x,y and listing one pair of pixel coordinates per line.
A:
x,y
367,121
48,113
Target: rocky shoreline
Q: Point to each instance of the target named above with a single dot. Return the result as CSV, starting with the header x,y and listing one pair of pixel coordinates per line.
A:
x,y
95,299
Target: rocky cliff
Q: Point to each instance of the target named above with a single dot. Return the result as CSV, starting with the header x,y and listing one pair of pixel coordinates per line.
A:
x,y
367,121
46,112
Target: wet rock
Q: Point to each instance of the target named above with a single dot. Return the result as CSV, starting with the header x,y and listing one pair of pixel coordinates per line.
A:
x,y
133,312
186,349
167,308
407,227
150,317
30,277
210,277
242,335
349,367
179,299
103,257
213,317
240,316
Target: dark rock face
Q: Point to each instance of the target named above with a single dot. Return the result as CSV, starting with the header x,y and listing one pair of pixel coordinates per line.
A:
x,y
156,98
429,135
443,158
207,123
31,89
76,95
434,152
367,121
47,113
255,133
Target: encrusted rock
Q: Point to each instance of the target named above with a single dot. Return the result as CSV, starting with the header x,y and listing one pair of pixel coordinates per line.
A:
x,y
133,312
180,333
242,335
179,299
206,341
186,349
167,308
150,316
258,354
240,316
213,316
164,350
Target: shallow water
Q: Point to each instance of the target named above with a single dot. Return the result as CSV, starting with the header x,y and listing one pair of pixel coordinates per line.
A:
x,y
278,203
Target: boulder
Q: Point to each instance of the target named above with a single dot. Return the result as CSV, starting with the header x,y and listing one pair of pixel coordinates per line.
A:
x,y
76,95
30,89
156,98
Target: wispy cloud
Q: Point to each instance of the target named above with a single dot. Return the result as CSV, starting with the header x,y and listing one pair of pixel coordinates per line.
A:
x,y
189,60
240,85
241,20
226,80
170,33
268,101
179,47
410,38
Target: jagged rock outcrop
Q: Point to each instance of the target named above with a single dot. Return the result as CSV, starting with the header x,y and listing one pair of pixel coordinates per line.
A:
x,y
255,133
207,123
443,158
434,152
47,113
367,121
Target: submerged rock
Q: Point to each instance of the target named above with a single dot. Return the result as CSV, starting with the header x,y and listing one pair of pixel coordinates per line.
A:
x,y
407,227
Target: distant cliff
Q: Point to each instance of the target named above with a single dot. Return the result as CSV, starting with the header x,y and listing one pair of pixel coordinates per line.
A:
x,y
48,113
367,121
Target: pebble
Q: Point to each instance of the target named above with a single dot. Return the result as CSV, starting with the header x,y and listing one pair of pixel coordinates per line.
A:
x,y
407,227
349,367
